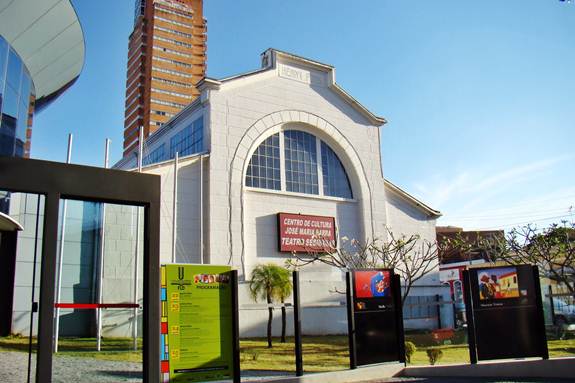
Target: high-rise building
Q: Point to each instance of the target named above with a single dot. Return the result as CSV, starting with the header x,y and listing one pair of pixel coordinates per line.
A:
x,y
166,58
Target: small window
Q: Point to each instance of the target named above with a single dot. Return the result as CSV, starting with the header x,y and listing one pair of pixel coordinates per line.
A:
x,y
264,167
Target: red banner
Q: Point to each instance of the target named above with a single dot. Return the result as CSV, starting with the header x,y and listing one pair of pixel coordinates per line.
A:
x,y
306,233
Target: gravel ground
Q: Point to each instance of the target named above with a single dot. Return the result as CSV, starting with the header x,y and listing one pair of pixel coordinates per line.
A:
x,y
470,380
66,369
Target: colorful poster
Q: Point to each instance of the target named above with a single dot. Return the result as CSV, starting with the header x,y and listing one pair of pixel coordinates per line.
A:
x,y
372,284
498,283
196,324
306,233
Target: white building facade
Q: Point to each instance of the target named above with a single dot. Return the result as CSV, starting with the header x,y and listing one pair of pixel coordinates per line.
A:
x,y
282,139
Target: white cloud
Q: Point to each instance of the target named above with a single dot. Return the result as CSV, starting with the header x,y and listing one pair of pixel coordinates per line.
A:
x,y
476,199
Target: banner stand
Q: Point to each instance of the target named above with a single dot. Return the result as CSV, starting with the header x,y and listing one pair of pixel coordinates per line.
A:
x,y
504,313
350,322
297,325
235,327
375,328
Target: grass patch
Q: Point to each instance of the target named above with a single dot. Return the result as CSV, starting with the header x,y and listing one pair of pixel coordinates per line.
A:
x,y
321,353
115,349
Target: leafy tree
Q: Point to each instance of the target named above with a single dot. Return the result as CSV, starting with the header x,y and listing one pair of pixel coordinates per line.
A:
x,y
271,283
551,249
410,256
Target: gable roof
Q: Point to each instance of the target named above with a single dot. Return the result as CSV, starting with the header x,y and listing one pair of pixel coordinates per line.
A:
x,y
270,59
432,213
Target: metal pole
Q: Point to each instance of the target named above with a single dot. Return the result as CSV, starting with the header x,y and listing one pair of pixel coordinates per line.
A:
x,y
398,306
235,328
552,311
539,314
34,304
47,288
350,321
202,261
438,308
470,319
101,264
174,209
61,253
136,257
297,325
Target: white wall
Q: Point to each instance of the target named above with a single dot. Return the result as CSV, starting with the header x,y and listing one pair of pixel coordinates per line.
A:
x,y
261,210
235,113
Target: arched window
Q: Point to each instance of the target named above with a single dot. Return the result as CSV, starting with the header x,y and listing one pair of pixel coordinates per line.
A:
x,y
296,168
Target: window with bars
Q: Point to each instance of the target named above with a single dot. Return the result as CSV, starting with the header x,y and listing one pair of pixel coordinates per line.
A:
x,y
335,181
299,160
189,140
264,167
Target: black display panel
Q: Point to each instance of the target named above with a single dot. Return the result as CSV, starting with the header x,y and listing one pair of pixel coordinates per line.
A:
x,y
377,335
507,312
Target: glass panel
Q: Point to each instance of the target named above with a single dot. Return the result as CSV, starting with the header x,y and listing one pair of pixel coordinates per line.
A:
x,y
559,313
14,70
10,103
157,155
3,56
335,180
301,162
189,140
8,122
101,253
20,265
264,167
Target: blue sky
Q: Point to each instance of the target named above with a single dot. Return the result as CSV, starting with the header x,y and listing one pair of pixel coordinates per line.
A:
x,y
479,95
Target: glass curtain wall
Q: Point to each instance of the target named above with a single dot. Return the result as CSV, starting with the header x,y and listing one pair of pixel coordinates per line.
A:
x,y
16,102
16,109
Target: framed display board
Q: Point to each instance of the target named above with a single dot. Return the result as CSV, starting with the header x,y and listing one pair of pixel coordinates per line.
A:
x,y
375,317
304,233
505,313
198,323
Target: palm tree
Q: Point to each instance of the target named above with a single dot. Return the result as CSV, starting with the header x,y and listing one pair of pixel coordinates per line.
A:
x,y
271,282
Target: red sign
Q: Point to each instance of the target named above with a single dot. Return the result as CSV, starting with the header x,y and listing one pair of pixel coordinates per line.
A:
x,y
306,233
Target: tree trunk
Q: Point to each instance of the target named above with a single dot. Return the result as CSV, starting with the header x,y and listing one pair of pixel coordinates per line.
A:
x,y
283,322
270,317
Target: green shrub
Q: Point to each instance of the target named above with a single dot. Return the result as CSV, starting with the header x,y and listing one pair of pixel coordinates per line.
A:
x,y
434,355
410,349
